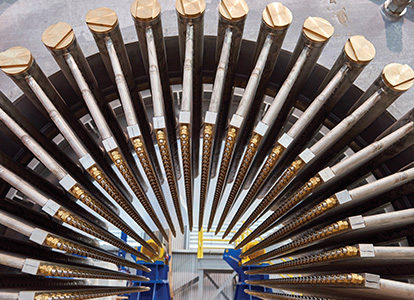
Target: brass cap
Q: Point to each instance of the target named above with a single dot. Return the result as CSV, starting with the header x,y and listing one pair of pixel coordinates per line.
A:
x,y
58,36
277,16
190,8
145,10
233,10
398,77
15,60
317,29
101,20
359,49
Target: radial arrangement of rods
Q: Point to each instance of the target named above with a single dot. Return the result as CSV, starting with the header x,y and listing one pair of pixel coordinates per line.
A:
x,y
308,205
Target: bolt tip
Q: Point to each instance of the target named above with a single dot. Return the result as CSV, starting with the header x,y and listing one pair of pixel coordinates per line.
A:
x,y
15,60
233,10
359,49
398,77
58,36
190,8
101,20
277,16
145,10
317,29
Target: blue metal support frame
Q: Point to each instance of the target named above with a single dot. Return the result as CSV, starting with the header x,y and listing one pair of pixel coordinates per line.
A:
x,y
158,283
232,257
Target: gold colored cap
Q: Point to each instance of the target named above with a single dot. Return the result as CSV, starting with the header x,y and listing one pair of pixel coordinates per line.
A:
x,y
15,60
145,10
58,36
101,20
317,29
398,77
359,49
277,16
233,10
190,8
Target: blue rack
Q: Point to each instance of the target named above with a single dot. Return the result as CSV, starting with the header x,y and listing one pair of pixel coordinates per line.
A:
x,y
160,288
158,283
232,257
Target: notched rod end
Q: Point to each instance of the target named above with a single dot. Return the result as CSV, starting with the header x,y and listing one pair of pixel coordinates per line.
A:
x,y
145,10
58,36
233,10
190,8
359,50
317,29
15,60
277,16
101,20
398,77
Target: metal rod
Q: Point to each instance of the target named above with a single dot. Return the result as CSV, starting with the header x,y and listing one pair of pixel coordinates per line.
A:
x,y
67,182
316,33
43,86
86,160
275,22
235,125
161,131
291,141
103,23
210,123
147,14
190,15
232,17
62,214
348,229
333,174
356,55
185,123
389,92
137,139
82,293
43,237
360,256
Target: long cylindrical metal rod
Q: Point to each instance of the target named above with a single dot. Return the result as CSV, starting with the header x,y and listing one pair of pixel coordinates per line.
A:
x,y
137,139
275,16
48,268
86,160
190,16
356,54
389,87
161,131
62,214
333,174
210,123
235,125
290,142
82,293
111,145
232,17
335,204
147,14
66,180
42,237
103,23
283,146
275,23
30,69
346,228
312,41
185,123
361,256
